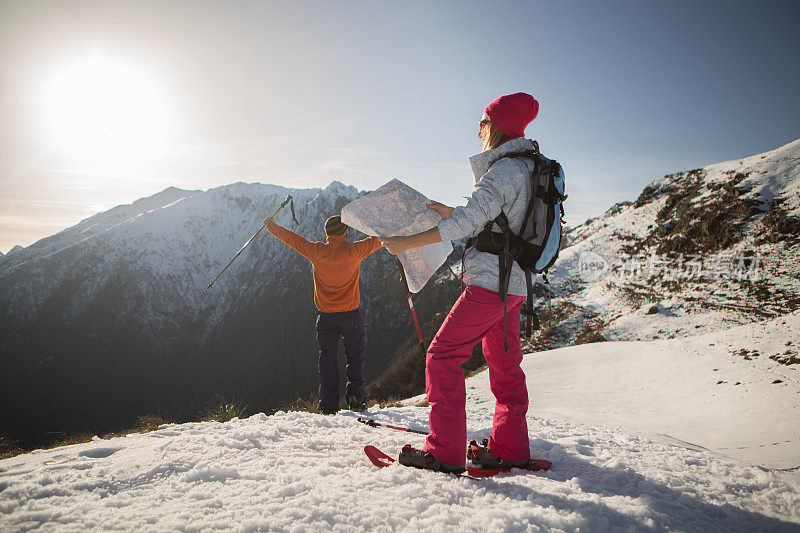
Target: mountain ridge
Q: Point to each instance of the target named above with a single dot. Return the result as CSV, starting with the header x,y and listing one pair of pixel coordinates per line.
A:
x,y
684,250
117,306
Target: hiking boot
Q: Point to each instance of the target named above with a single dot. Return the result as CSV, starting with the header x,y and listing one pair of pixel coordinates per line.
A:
x,y
418,459
354,404
481,456
328,411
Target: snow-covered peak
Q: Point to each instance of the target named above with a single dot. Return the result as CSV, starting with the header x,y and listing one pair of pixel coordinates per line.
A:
x,y
759,179
337,187
95,225
240,188
765,177
15,249
165,197
126,211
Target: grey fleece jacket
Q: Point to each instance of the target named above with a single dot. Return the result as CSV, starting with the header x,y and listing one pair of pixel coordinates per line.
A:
x,y
501,184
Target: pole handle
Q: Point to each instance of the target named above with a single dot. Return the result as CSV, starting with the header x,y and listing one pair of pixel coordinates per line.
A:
x,y
288,199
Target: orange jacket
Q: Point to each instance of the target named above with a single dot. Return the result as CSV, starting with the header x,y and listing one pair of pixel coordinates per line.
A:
x,y
336,265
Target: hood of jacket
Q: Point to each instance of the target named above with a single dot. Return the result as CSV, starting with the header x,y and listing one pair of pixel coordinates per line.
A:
x,y
481,162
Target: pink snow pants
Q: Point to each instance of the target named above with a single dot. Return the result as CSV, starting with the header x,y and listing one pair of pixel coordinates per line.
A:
x,y
477,315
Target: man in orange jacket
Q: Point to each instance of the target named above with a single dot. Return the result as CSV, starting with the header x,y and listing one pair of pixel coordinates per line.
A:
x,y
336,266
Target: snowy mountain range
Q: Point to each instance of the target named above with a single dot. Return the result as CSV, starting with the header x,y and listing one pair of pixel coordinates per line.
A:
x,y
111,318
686,417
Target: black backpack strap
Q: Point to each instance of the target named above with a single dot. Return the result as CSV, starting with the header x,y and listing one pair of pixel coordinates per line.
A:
x,y
506,261
463,256
471,242
531,317
534,194
550,197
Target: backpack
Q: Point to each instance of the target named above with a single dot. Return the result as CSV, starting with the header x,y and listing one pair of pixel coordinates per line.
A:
x,y
535,245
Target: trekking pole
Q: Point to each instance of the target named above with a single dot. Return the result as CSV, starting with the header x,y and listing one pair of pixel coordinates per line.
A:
x,y
411,304
288,199
452,271
372,423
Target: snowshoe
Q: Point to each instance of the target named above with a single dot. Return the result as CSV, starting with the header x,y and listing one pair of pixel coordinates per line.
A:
x,y
410,456
482,457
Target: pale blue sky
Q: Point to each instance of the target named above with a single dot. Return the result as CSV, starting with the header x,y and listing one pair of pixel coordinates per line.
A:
x,y
300,93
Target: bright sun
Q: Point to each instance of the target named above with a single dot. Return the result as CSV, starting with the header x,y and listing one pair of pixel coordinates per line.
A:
x,y
104,113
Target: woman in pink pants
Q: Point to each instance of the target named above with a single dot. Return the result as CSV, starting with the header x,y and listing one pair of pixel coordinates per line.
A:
x,y
502,184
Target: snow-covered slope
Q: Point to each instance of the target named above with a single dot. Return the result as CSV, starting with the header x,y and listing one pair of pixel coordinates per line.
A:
x,y
709,248
596,412
688,390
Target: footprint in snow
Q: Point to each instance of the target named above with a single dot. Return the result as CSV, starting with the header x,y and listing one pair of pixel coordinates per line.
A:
x,y
99,453
584,450
542,445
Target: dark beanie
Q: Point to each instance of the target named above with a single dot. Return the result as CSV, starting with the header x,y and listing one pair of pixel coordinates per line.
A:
x,y
335,226
512,113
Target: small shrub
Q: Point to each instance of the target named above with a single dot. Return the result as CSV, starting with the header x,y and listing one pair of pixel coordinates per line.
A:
x,y
151,422
307,404
589,332
223,410
389,402
9,448
144,424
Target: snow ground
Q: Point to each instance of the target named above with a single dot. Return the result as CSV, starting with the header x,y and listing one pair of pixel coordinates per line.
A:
x,y
714,399
640,435
305,472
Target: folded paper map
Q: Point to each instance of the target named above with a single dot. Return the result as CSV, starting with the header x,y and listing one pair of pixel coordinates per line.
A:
x,y
397,209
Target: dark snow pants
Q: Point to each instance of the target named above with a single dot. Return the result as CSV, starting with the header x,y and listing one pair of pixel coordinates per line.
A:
x,y
350,326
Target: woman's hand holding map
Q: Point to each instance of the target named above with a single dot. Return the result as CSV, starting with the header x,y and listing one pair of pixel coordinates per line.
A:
x,y
398,245
406,222
443,210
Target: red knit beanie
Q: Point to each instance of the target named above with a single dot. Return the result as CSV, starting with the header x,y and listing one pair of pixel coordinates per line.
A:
x,y
512,113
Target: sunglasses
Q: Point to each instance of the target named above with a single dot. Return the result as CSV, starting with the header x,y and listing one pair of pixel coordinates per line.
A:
x,y
481,124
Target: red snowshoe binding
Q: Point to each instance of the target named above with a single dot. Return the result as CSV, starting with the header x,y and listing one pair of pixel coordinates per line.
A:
x,y
410,456
482,457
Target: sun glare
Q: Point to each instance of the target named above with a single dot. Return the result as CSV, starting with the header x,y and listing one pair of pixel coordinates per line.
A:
x,y
101,113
